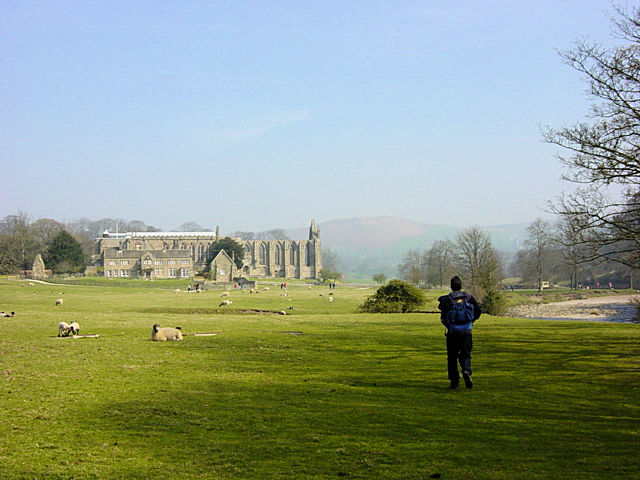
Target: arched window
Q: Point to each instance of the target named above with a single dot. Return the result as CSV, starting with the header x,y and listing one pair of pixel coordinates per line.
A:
x,y
262,256
307,253
276,252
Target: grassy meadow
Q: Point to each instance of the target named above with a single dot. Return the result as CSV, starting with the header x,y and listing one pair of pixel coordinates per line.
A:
x,y
322,392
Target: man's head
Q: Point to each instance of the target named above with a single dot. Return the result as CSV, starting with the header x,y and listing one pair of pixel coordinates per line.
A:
x,y
456,284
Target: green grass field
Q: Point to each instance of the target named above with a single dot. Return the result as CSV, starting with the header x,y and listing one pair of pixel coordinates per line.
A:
x,y
320,393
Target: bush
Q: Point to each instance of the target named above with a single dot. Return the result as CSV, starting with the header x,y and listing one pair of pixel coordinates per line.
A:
x,y
395,297
494,302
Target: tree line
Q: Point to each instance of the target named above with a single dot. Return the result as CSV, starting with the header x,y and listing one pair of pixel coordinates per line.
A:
x,y
470,255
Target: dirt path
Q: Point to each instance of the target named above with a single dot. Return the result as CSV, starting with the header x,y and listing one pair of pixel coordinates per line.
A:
x,y
615,308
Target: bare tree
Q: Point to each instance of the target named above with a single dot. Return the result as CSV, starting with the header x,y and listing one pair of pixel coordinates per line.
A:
x,y
45,230
329,259
192,227
477,261
274,234
243,235
603,153
413,268
567,238
538,244
440,261
17,228
136,226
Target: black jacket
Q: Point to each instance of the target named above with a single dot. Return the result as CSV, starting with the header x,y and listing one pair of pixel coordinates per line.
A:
x,y
445,303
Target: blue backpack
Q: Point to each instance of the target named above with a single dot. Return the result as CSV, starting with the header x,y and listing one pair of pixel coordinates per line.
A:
x,y
460,317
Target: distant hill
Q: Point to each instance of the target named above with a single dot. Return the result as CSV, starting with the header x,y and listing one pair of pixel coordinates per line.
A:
x,y
368,245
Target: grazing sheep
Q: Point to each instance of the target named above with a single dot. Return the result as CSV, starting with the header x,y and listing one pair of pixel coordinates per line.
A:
x,y
266,289
225,294
290,308
283,294
31,284
165,334
282,312
75,328
225,303
63,329
330,299
177,290
59,302
2,314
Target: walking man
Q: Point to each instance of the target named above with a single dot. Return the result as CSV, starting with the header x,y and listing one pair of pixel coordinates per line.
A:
x,y
458,311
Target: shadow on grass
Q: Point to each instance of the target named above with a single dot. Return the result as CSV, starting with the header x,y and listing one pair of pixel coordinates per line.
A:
x,y
268,429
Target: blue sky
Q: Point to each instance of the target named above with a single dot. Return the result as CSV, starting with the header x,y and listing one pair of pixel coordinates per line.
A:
x,y
256,115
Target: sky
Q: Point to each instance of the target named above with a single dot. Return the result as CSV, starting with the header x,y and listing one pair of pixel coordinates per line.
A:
x,y
258,115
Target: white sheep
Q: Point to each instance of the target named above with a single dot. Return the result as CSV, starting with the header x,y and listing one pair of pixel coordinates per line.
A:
x,y
166,333
31,284
282,312
283,294
2,314
63,329
225,303
59,302
224,294
330,299
266,289
177,290
75,328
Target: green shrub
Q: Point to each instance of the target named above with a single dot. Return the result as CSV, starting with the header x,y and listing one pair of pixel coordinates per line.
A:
x,y
494,302
395,297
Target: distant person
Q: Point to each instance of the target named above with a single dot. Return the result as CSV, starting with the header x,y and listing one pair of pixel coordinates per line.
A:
x,y
458,311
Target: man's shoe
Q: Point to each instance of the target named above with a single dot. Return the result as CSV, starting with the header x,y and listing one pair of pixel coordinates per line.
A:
x,y
453,385
467,379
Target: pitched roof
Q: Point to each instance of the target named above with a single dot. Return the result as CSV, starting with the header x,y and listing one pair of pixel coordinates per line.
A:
x,y
224,255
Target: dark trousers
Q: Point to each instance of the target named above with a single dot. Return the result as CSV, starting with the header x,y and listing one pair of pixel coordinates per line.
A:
x,y
458,351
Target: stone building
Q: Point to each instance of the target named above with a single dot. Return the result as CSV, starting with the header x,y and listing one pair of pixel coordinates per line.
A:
x,y
182,254
223,268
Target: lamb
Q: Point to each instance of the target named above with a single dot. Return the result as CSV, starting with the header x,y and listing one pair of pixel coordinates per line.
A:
x,y
330,299
75,328
266,289
63,329
166,333
59,302
2,314
225,303
225,294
